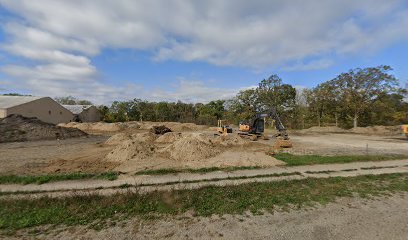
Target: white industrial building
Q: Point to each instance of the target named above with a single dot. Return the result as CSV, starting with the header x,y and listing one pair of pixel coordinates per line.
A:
x,y
43,108
84,113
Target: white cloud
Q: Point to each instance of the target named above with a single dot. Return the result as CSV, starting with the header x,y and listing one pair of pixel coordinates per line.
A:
x,y
61,37
312,65
46,55
193,91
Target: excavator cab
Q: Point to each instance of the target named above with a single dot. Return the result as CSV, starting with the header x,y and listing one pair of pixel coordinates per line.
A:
x,y
256,128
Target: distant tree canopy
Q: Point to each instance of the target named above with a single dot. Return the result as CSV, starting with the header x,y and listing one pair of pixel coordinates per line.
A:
x,y
15,94
359,97
72,101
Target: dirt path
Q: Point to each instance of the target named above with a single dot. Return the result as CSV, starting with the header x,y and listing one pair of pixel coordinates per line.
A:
x,y
348,218
51,156
146,183
349,144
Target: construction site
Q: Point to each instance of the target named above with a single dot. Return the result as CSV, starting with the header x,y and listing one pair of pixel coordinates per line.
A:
x,y
132,147
56,162
229,119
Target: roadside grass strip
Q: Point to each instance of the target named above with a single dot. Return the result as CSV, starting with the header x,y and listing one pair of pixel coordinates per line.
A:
x,y
297,160
97,210
41,179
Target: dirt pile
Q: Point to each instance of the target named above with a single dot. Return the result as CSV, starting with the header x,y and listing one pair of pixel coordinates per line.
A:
x,y
16,128
174,126
182,147
131,149
99,127
102,127
230,140
121,137
160,129
193,148
377,130
169,137
331,129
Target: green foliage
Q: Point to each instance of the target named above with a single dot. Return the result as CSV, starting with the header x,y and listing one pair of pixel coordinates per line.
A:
x,y
15,94
72,101
238,199
359,97
296,160
368,96
41,179
272,93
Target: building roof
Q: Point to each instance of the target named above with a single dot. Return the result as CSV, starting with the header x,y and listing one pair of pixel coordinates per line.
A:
x,y
77,109
12,101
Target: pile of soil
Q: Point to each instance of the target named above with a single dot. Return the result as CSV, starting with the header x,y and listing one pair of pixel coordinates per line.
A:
x,y
230,140
16,128
182,147
331,129
169,137
174,126
99,127
102,127
377,130
131,149
160,130
121,137
193,148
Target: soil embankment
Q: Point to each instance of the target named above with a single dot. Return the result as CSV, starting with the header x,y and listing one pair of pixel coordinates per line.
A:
x,y
16,128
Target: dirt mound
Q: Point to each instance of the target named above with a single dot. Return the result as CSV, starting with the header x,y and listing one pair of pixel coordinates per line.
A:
x,y
169,137
185,127
331,129
121,137
160,129
377,130
96,127
230,140
16,128
131,149
213,129
193,148
118,138
102,127
174,126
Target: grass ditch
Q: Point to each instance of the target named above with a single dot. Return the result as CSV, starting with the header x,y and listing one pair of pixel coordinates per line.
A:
x,y
164,171
255,197
297,160
41,179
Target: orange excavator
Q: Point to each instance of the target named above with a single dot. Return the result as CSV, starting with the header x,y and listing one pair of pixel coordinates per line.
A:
x,y
256,127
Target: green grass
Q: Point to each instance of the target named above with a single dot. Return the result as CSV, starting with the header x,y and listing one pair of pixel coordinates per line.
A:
x,y
190,170
41,179
94,210
296,160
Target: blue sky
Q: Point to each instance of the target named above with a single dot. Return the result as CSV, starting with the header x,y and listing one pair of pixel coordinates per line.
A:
x,y
190,50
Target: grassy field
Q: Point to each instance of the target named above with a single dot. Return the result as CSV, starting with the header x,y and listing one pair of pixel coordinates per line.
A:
x,y
96,211
41,179
297,160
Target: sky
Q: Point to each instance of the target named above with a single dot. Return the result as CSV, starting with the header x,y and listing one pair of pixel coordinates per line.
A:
x,y
192,51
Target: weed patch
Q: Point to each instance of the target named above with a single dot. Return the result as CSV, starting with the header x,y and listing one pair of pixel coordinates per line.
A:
x,y
296,160
41,179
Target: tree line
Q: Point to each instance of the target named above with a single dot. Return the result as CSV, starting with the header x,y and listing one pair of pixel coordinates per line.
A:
x,y
359,97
